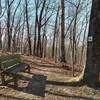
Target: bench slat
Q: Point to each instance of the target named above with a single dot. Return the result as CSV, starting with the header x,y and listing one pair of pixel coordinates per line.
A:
x,y
17,68
6,57
9,61
9,64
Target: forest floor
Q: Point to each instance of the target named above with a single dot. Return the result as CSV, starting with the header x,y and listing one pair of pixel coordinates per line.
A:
x,y
47,81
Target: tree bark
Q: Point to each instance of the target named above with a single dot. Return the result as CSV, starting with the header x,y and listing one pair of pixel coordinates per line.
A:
x,y
55,33
62,32
0,27
8,25
28,31
0,37
92,70
39,47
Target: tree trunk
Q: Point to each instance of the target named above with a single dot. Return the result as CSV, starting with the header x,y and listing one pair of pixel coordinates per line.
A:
x,y
39,54
92,70
39,48
35,37
0,27
28,32
0,37
62,32
55,33
36,26
8,25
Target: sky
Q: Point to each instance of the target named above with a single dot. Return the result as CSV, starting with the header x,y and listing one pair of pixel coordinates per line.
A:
x,y
68,6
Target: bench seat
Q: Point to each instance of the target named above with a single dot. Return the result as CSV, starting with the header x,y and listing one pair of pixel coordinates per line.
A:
x,y
10,65
17,68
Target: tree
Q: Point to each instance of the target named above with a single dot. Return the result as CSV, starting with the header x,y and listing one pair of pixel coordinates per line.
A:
x,y
55,32
9,34
15,27
36,23
62,32
39,48
92,69
0,27
8,25
28,31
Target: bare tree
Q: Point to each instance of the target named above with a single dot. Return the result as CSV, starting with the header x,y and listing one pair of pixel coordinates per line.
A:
x,y
55,32
0,27
8,24
28,31
36,23
62,31
39,51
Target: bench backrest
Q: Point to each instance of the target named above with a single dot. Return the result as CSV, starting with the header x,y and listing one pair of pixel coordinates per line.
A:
x,y
8,61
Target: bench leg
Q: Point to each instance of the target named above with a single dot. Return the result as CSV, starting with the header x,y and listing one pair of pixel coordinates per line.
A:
x,y
3,79
28,69
15,81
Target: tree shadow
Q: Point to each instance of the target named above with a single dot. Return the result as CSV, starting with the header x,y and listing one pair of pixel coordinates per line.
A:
x,y
67,68
75,84
51,71
72,84
71,96
37,86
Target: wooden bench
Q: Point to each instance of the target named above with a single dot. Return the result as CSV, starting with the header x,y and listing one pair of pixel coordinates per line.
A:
x,y
10,65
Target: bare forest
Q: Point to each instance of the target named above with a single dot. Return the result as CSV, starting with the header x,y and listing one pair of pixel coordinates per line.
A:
x,y
49,49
